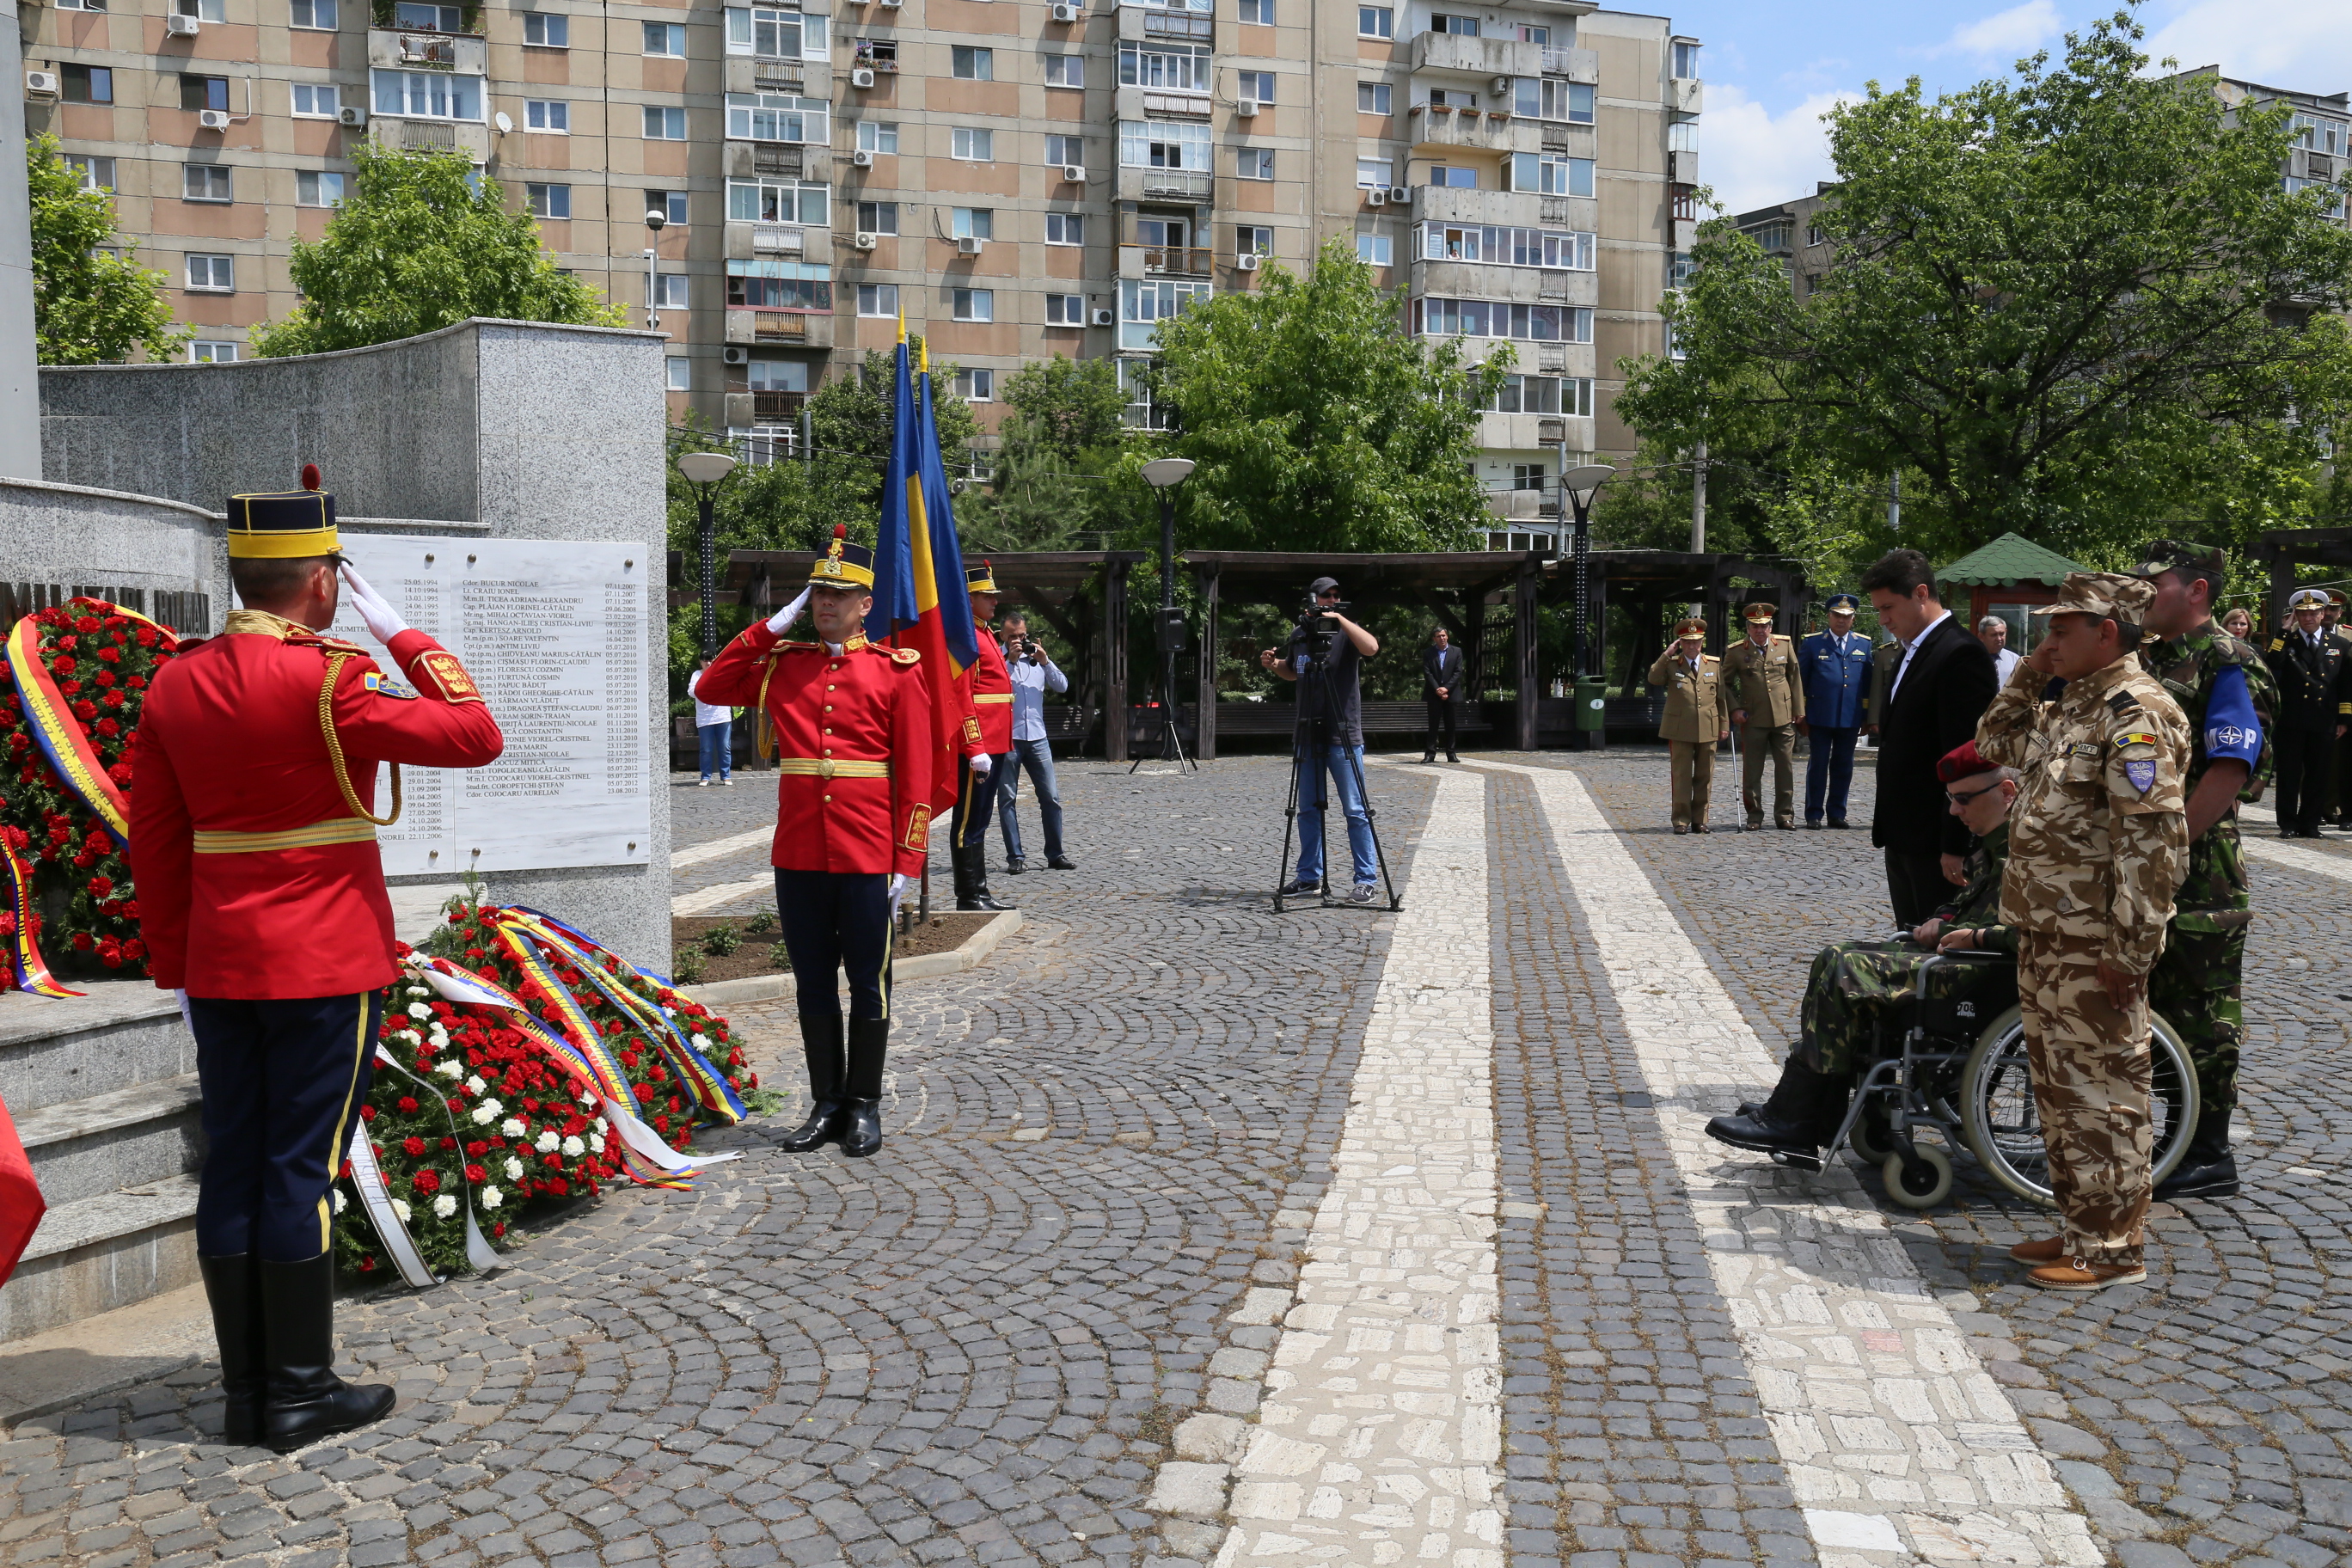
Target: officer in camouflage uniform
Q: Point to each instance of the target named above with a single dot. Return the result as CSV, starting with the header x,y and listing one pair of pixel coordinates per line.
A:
x,y
2098,842
2225,692
1854,984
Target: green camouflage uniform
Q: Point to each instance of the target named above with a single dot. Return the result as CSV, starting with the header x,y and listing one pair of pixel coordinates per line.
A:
x,y
2196,983
1854,982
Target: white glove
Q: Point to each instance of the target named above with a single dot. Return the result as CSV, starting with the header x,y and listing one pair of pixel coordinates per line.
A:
x,y
181,997
782,619
982,763
383,622
897,891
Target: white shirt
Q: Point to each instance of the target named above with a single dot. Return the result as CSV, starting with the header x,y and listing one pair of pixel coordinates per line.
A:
x,y
2004,662
1030,684
1908,649
704,714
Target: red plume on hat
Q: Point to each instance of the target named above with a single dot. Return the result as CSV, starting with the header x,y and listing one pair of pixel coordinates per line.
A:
x,y
1963,761
309,476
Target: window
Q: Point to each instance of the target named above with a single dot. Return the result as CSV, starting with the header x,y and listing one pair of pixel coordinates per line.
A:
x,y
212,274
666,39
1485,319
975,304
785,201
1253,163
204,182
780,285
669,124
203,10
1135,382
1066,310
1679,269
428,17
1260,12
1547,98
81,4
544,32
2315,134
878,218
1528,476
93,173
1375,22
972,223
1566,249
203,352
1681,199
1144,303
777,116
318,14
205,92
878,136
1372,97
1375,249
973,64
1685,59
976,385
1066,228
1456,178
1571,395
1682,133
321,188
87,84
972,144
1179,68
548,201
1550,174
1460,26
1066,150
430,95
878,298
879,54
312,101
1066,71
547,114
677,373
1163,233
1253,239
1258,85
1375,174
772,33
777,375
672,289
1531,33
1164,145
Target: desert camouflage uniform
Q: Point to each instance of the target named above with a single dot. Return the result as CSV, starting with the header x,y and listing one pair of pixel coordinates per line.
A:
x,y
2196,985
1854,981
2098,840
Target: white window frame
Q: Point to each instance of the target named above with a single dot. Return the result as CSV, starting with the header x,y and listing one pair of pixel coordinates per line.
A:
x,y
1253,239
1382,96
673,292
978,57
1190,140
315,93
879,137
972,223
1166,66
95,173
1376,249
318,179
193,175
745,24
976,384
1063,148
305,15
1383,173
882,296
213,350
677,373
673,33
1065,309
1255,85
454,93
532,204
547,116
1376,22
1066,228
553,28
1253,163
1066,71
664,116
793,195
973,304
876,210
972,144
1144,303
214,266
750,114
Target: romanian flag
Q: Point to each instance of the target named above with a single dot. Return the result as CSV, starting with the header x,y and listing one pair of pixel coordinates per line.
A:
x,y
919,585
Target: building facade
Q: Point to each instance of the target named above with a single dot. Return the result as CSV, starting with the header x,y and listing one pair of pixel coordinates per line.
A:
x,y
778,183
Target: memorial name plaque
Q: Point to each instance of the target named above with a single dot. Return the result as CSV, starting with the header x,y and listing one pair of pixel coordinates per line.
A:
x,y
555,632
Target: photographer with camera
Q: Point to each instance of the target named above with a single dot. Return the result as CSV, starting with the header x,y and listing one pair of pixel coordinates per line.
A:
x,y
1322,658
1034,675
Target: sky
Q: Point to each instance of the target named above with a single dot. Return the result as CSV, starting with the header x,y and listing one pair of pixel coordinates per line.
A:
x,y
1772,68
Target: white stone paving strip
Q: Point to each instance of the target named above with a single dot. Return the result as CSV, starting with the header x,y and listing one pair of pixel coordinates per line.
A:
x,y
696,854
1896,1439
1380,1433
2257,824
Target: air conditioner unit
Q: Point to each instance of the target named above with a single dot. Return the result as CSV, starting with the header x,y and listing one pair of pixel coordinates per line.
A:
x,y
41,84
862,158
861,77
969,244
1066,13
1246,108
735,356
1377,197
1247,261
1500,87
178,27
889,5
1074,173
351,114
1400,195
866,241
212,119
1105,317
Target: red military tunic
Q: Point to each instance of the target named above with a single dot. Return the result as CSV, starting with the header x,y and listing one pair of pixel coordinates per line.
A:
x,y
987,688
854,748
256,880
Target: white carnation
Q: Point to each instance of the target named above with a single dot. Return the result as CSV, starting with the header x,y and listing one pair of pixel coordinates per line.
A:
x,y
400,1207
596,1143
512,1127
475,1085
419,1010
600,1125
669,1012
702,1043
491,1196
485,1111
453,1067
548,1141
573,1147
440,1036
339,1200
444,1207
514,1169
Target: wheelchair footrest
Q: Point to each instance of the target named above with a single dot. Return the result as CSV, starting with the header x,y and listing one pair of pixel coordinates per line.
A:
x,y
1795,1161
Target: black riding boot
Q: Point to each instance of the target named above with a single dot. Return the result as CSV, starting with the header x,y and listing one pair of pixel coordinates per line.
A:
x,y
971,878
232,1287
2208,1170
1804,1110
869,1042
820,1044
306,1400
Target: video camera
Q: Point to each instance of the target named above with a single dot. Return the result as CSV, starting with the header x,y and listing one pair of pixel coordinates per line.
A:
x,y
1319,630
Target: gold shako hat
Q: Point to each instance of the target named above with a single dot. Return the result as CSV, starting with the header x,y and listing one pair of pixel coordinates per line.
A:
x,y
843,564
282,526
980,579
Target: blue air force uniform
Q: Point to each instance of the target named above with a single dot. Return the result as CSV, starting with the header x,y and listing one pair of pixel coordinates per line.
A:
x,y
1836,670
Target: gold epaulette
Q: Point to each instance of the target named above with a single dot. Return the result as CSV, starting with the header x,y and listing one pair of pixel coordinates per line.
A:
x,y
902,655
782,646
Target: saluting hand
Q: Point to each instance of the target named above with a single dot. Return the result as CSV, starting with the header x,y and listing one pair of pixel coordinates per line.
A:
x,y
782,621
382,622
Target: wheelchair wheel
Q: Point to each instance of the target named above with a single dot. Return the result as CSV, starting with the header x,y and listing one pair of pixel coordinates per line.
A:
x,y
1923,1188
2003,1126
1868,1139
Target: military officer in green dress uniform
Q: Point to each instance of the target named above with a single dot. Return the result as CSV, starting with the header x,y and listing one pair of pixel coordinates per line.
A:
x,y
1765,688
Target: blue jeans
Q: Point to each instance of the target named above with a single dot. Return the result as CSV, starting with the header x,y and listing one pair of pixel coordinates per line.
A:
x,y
1342,764
718,747
1828,771
1037,756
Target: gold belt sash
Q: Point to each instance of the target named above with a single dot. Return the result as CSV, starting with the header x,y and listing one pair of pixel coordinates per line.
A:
x,y
335,830
994,696
829,768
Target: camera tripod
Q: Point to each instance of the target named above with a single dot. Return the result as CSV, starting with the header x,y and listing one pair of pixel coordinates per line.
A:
x,y
1309,746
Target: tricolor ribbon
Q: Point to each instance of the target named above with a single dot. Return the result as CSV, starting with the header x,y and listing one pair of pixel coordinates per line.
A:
x,y
375,1195
50,716
25,959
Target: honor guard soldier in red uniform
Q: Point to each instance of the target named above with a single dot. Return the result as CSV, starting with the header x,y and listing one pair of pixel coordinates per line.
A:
x,y
853,736
988,735
261,897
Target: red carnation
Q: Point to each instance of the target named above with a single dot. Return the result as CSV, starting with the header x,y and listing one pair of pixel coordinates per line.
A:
x,y
477,1174
81,941
146,637
111,656
63,664
408,1105
100,885
88,623
645,1094
427,1182
367,1113
85,710
412,1147
367,1264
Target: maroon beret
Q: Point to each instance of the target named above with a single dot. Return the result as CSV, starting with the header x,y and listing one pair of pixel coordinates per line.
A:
x,y
1963,761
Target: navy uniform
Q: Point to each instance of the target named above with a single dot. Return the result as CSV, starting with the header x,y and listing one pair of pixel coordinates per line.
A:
x,y
2340,806
1836,666
987,688
2308,665
262,899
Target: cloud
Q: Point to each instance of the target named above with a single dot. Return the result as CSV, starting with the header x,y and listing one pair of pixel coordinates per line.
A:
x,y
2019,30
1754,158
2304,44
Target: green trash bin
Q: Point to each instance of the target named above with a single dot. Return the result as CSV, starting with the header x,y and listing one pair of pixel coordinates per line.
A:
x,y
1591,702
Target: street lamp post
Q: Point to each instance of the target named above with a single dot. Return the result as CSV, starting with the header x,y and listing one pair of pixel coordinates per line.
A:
x,y
1165,474
1579,486
703,470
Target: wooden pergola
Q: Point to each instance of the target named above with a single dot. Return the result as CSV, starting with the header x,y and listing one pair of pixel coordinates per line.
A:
x,y
2282,550
1646,582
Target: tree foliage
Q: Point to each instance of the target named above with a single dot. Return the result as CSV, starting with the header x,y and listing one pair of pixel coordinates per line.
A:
x,y
91,303
422,242
2071,302
1057,448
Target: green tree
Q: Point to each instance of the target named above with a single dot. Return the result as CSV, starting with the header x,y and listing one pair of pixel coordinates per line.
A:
x,y
1064,435
1316,423
422,241
91,303
2072,302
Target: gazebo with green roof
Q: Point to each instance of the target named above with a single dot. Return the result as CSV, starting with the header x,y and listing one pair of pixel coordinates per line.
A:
x,y
2007,578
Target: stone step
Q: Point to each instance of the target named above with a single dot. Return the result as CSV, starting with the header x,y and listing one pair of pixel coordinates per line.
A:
x,y
121,1139
57,1049
99,1253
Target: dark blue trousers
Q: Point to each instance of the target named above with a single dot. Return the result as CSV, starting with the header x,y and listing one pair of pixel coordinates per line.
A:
x,y
975,802
1828,771
834,921
282,1083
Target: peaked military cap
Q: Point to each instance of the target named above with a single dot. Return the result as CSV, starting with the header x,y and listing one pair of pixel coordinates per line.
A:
x,y
2170,555
1844,604
1760,611
1693,628
284,525
843,564
2308,599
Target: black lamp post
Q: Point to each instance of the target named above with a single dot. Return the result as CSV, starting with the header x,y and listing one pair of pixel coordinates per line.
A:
x,y
1165,475
703,470
1579,486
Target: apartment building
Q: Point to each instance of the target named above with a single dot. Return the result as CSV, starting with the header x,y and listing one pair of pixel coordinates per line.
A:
x,y
778,183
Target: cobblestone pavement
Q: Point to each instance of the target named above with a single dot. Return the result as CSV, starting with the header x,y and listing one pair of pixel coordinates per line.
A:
x,y
1040,1326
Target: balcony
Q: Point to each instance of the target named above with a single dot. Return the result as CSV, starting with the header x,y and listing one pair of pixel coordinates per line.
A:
x,y
1561,136
881,65
433,136
1163,261
1446,204
1686,95
407,50
768,76
1576,65
1458,56
781,160
1166,185
1490,130
781,329
1175,26
787,241
1152,103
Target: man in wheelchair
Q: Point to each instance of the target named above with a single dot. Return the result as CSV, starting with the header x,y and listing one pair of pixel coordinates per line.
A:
x,y
1855,985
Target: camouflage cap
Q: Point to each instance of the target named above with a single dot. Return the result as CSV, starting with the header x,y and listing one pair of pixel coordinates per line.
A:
x,y
2171,554
2110,595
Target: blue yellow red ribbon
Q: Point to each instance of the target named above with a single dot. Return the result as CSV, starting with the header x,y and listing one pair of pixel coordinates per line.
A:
x,y
31,970
55,729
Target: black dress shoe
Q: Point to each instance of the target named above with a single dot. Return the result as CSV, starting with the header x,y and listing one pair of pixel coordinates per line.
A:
x,y
1060,863
1451,758
1014,867
865,1131
306,1401
1805,1107
2191,1179
1430,758
826,1120
1840,822
982,900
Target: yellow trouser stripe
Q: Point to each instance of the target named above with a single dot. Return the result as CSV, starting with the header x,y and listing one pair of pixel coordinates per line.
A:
x,y
343,1120
335,830
831,768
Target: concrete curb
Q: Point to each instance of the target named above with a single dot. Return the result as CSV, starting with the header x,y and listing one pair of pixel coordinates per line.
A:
x,y
922,966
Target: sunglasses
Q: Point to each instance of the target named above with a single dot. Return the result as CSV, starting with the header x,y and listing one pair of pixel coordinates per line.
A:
x,y
1962,798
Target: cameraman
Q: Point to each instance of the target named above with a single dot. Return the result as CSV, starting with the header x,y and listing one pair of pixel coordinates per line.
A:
x,y
1332,702
1034,675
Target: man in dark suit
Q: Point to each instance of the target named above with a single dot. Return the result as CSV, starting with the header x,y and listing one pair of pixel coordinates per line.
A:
x,y
1940,687
1441,687
2308,662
